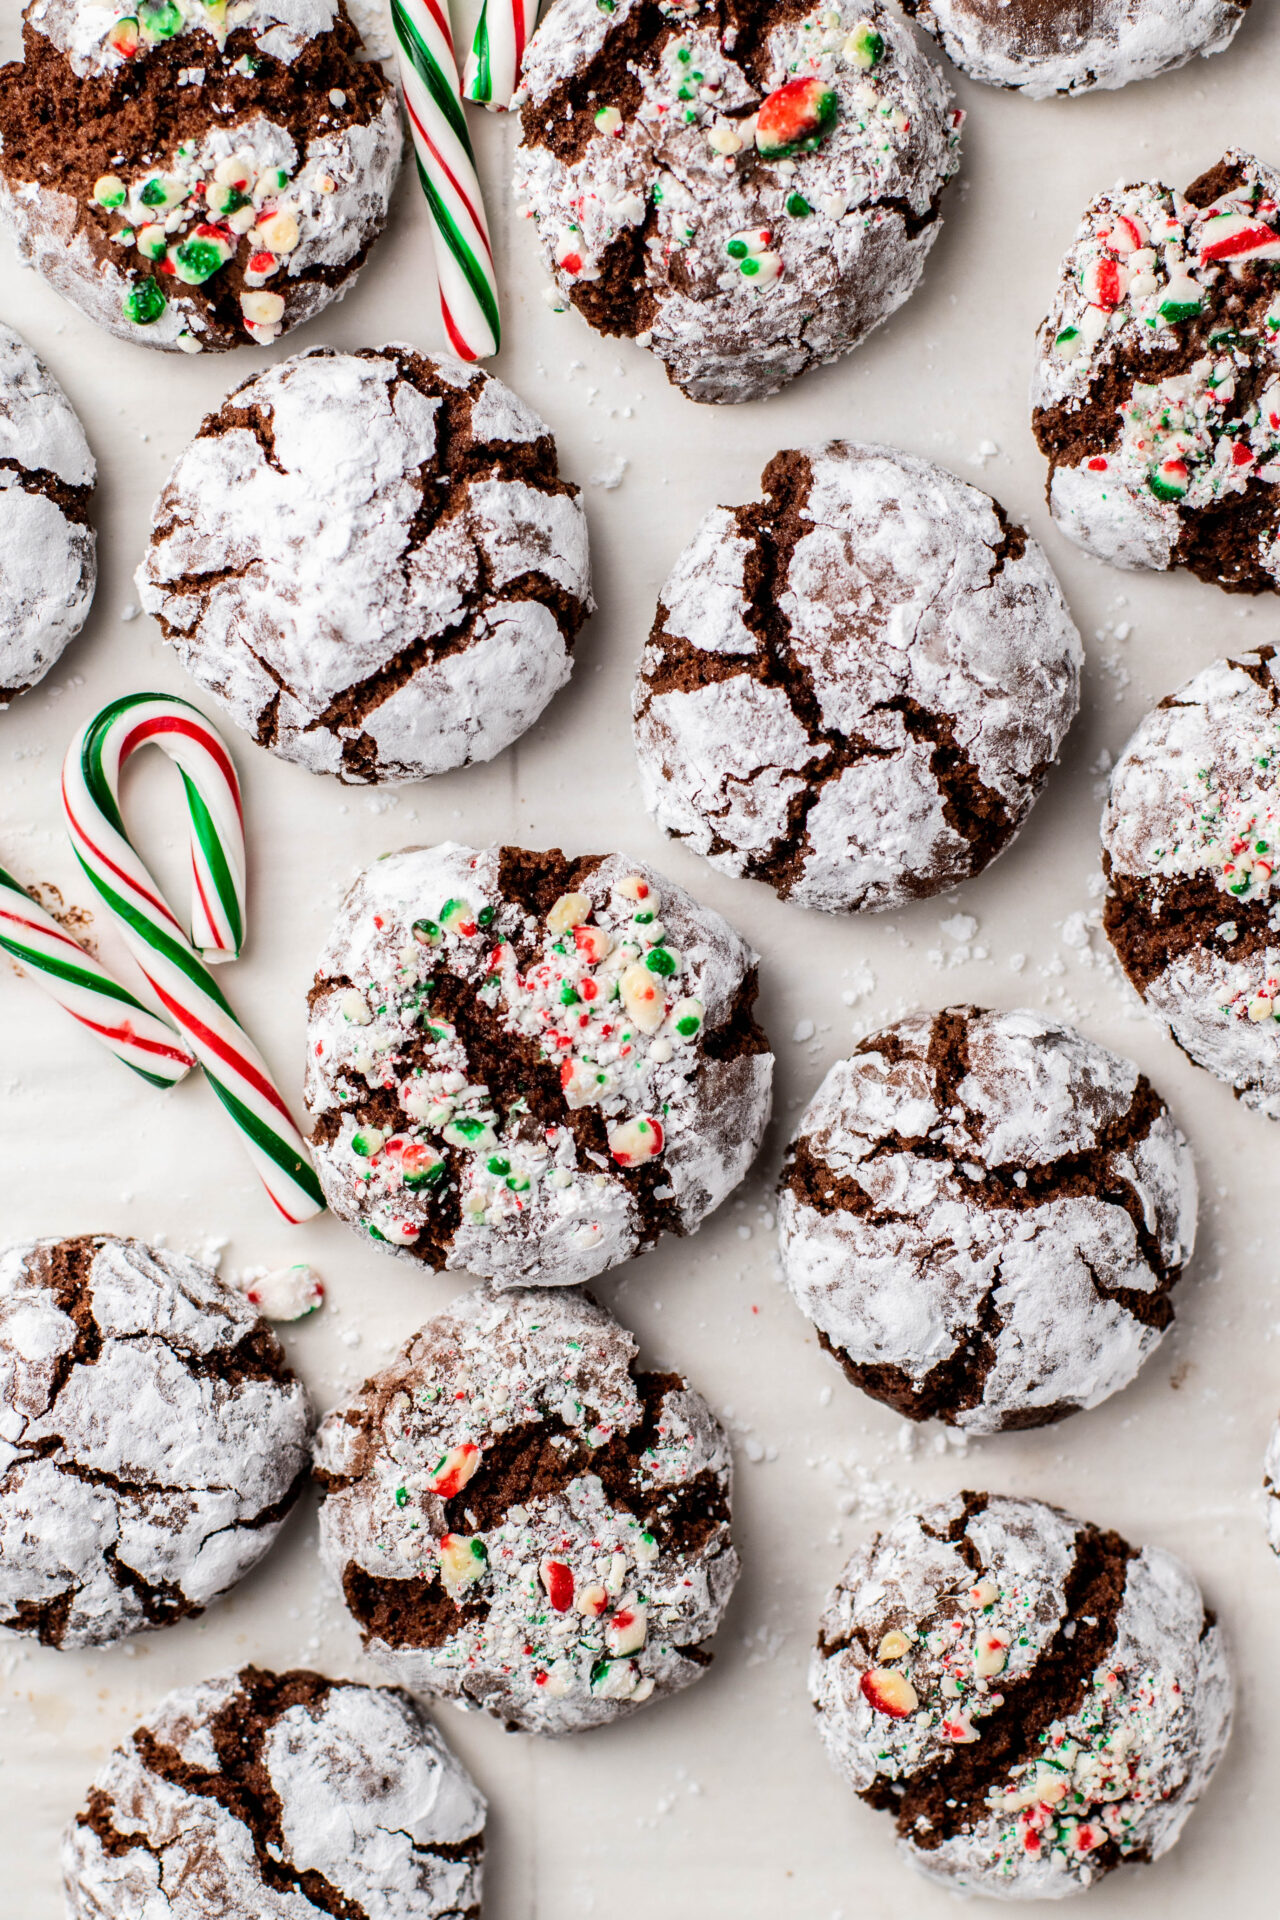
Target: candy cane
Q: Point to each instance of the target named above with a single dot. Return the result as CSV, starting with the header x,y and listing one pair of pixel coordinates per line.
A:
x,y
447,170
86,990
497,52
168,958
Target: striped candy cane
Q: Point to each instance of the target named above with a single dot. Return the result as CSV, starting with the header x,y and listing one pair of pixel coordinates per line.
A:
x,y
86,990
168,957
497,52
447,171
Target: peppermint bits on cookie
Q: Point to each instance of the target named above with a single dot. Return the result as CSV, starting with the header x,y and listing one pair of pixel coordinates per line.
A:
x,y
577,1565
531,1067
1156,398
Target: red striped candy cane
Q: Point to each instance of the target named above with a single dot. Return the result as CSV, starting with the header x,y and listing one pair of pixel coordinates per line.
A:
x,y
168,957
497,52
72,977
447,170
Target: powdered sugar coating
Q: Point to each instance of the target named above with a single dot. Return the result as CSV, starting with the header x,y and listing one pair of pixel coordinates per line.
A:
x,y
577,1551
440,976
152,1439
372,1810
855,691
838,231
370,560
962,1614
48,559
1168,297
936,1226
1042,50
312,192
1187,838
280,28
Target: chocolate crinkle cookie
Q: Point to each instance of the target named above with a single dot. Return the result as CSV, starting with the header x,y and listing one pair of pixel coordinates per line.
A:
x,y
371,560
984,1215
1190,841
195,174
521,1521
152,1438
48,550
854,689
1043,47
1036,1702
278,1796
531,1067
1156,395
747,187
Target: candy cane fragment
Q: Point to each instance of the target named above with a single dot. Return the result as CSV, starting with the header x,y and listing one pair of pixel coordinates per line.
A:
x,y
497,52
78,983
168,958
447,171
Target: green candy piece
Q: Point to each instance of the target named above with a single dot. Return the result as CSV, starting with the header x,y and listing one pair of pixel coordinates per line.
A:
x,y
425,1177
688,1026
498,1165
1175,310
196,261
736,249
1067,335
426,933
161,18
144,302
750,267
660,961
1163,491
797,205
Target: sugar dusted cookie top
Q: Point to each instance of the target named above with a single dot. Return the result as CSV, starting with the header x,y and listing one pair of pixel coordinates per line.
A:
x,y
279,1795
195,174
1035,1701
530,1067
855,688
984,1215
371,559
745,189
152,1438
1190,837
1043,47
48,550
1156,396
520,1520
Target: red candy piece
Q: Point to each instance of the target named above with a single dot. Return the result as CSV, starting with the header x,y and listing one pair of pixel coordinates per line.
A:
x,y
558,1581
794,118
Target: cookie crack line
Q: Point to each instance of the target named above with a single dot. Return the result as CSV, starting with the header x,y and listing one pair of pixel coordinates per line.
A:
x,y
71,500
951,1795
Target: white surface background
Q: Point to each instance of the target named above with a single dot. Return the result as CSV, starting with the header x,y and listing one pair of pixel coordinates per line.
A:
x,y
719,1802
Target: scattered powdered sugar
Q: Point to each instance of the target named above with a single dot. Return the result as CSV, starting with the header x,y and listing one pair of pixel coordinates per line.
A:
x,y
1124,40
49,565
81,28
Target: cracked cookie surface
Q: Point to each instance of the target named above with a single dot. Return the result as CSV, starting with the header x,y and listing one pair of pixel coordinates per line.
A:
x,y
1156,394
195,174
746,187
530,1067
48,550
520,1520
854,688
984,1215
1043,47
280,1796
1190,840
1035,1701
371,560
152,1438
